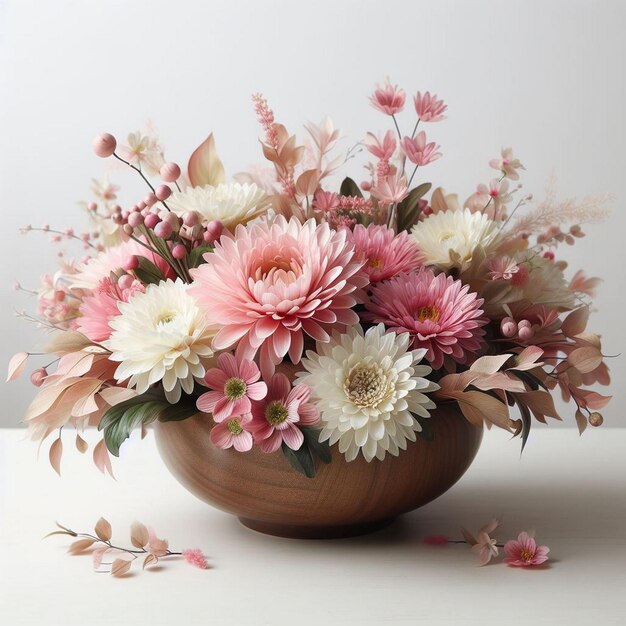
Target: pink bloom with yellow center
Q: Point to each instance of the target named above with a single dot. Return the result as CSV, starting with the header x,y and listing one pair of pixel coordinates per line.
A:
x,y
279,415
274,282
234,383
429,108
98,309
384,253
233,433
418,151
388,98
440,313
524,552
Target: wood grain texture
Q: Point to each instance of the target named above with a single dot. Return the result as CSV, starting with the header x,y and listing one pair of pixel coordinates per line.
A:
x,y
343,499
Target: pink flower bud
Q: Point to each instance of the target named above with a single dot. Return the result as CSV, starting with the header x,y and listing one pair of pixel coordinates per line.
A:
x,y
151,220
141,205
525,333
179,251
38,376
150,199
170,172
508,327
125,215
104,145
135,220
125,281
92,206
173,220
162,192
213,231
128,229
131,263
163,230
596,419
191,219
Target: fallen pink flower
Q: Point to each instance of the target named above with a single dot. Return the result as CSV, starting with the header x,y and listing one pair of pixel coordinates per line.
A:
x,y
524,552
196,558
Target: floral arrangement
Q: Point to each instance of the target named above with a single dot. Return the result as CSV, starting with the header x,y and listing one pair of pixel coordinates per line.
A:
x,y
297,314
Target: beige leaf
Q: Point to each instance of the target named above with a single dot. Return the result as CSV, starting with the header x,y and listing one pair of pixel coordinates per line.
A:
x,y
55,454
16,365
151,559
139,535
101,458
120,567
576,322
540,403
307,182
103,529
67,341
489,364
80,546
581,421
158,547
205,167
477,406
115,395
585,359
81,444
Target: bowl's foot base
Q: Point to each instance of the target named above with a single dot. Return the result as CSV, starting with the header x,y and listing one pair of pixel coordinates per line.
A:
x,y
297,531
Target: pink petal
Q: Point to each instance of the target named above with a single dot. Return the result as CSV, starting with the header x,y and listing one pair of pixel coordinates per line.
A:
x,y
228,363
282,340
309,414
249,371
272,443
206,402
223,409
229,335
243,442
221,436
293,437
256,391
279,387
296,347
215,378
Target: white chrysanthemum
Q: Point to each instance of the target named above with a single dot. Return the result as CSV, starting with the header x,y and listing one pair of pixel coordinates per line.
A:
x,y
367,387
448,239
161,335
231,204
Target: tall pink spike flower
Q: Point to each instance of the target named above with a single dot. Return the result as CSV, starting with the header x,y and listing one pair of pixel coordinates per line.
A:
x,y
418,151
274,282
429,108
440,313
385,254
524,552
388,98
278,417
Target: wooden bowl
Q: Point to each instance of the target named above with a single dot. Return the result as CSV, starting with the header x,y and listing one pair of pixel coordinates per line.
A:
x,y
343,499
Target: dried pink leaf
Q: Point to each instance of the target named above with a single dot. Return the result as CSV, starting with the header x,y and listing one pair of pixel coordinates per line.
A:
x,y
120,566
16,365
489,364
55,454
101,458
81,444
80,546
585,359
151,559
541,404
139,535
103,529
205,167
581,421
97,556
576,322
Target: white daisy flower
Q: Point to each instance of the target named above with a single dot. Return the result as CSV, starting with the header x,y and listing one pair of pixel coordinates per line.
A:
x,y
367,388
231,204
449,238
161,335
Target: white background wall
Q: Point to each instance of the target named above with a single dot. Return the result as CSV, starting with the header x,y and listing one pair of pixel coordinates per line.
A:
x,y
546,77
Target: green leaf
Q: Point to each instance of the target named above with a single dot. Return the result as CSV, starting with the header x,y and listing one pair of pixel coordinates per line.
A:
x,y
301,460
321,449
427,431
349,188
408,209
147,272
195,256
178,412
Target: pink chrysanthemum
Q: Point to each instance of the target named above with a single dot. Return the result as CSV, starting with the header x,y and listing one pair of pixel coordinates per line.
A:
x,y
98,309
195,557
384,253
440,313
279,415
524,552
273,282
233,433
234,383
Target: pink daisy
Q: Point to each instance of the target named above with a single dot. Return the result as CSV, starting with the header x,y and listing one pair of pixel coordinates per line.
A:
x,y
278,416
388,99
440,313
98,309
385,254
234,384
233,433
274,282
524,552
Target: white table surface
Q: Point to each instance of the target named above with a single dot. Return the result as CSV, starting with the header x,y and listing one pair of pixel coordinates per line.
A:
x,y
571,490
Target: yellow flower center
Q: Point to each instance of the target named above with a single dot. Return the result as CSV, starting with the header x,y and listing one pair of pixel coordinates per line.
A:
x,y
526,554
235,388
276,413
376,264
366,385
234,427
166,317
428,313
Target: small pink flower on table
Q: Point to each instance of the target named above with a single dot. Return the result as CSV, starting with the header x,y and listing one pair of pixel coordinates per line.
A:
x,y
234,383
388,98
524,552
233,433
279,415
484,546
195,557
